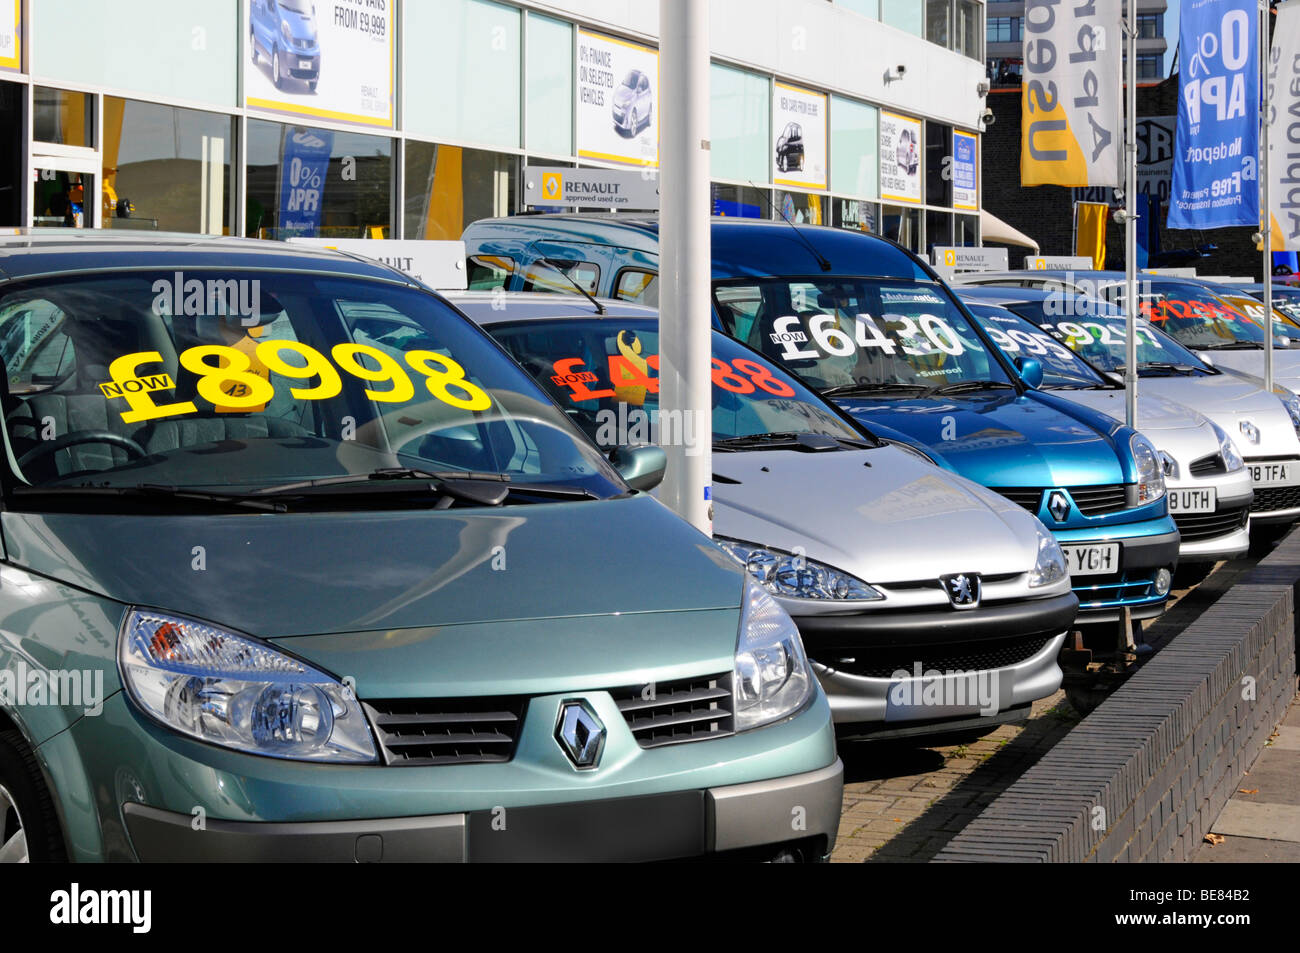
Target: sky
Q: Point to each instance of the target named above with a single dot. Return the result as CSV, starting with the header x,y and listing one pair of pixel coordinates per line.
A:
x,y
1171,32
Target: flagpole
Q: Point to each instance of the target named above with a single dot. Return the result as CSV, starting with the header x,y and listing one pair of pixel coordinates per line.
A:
x,y
1130,221
1267,230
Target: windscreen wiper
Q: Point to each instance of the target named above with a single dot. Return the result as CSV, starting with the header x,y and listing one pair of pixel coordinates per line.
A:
x,y
962,387
865,388
158,491
1230,346
795,440
484,488
1185,369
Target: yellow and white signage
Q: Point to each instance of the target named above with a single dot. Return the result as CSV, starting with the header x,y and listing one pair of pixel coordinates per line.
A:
x,y
617,112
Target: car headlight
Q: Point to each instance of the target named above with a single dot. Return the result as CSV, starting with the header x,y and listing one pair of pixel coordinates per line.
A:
x,y
1292,404
794,576
1232,461
231,690
1050,565
772,678
1150,481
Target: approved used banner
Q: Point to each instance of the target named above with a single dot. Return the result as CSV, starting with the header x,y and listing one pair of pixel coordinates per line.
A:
x,y
1284,129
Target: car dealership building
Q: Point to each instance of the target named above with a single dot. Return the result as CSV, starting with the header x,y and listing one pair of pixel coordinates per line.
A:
x,y
412,118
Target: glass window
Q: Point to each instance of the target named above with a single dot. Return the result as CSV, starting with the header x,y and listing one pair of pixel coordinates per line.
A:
x,y
854,213
61,197
1019,339
938,164
938,14
488,272
559,276
902,225
317,182
740,201
802,208
938,229
166,168
13,132
1150,26
966,230
1004,29
447,187
969,17
462,63
740,114
636,284
855,147
63,116
868,8
906,15
550,86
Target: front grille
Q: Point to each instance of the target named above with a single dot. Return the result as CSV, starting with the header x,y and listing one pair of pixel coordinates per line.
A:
x,y
424,731
1271,498
1198,526
1091,500
1095,500
943,657
1207,466
666,713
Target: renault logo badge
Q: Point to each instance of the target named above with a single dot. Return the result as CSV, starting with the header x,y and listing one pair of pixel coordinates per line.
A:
x,y
1250,431
963,590
1058,504
580,733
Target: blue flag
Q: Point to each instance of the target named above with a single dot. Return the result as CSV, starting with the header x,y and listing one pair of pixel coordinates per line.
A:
x,y
304,164
1216,180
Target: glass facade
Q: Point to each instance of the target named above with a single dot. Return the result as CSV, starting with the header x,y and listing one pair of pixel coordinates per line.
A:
x,y
740,117
447,187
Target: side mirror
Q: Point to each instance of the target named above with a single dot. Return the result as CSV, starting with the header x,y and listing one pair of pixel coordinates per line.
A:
x,y
1281,340
1031,371
642,468
1206,358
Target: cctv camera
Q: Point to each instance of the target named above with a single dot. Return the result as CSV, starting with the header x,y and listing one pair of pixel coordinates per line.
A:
x,y
901,70
982,88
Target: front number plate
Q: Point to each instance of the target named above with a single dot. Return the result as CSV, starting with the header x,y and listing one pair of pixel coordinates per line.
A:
x,y
1270,474
1095,560
1193,501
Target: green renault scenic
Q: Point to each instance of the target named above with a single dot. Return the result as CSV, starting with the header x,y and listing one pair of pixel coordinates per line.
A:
x,y
298,565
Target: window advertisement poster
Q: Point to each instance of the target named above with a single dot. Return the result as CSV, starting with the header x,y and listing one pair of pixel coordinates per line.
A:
x,y
11,37
965,177
900,158
617,100
303,170
798,137
328,60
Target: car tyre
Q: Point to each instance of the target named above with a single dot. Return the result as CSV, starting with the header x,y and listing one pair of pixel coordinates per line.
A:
x,y
29,825
275,67
633,124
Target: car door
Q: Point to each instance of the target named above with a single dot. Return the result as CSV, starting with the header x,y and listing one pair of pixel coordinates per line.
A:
x,y
263,17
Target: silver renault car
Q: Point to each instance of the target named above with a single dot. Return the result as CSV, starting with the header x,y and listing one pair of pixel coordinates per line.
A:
x,y
1209,487
929,605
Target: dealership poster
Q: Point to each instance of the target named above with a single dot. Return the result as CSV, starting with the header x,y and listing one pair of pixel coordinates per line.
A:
x,y
900,158
965,166
328,59
1072,129
798,137
303,170
10,38
1215,180
1284,129
617,100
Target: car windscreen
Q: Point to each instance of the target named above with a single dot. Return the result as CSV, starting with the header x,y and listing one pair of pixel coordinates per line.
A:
x,y
1019,339
844,332
1099,339
1193,316
605,374
252,380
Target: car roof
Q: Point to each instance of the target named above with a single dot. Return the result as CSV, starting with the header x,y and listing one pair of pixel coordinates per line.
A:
x,y
492,307
741,247
27,253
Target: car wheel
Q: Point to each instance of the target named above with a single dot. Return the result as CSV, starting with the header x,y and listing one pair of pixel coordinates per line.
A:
x,y
633,126
29,826
252,44
275,68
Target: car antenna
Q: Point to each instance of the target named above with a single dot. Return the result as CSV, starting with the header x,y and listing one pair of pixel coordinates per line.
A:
x,y
559,266
822,260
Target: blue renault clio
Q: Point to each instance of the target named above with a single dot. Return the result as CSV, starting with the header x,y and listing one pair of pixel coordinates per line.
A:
x,y
870,326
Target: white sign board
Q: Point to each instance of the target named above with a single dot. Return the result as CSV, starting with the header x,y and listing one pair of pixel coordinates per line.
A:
x,y
592,188
10,31
617,100
329,60
900,158
438,264
798,137
1058,263
962,258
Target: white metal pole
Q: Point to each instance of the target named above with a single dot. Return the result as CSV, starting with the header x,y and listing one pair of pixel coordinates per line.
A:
x,y
1266,230
685,372
1130,221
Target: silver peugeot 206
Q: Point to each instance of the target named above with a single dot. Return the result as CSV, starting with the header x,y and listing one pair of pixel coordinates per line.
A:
x,y
929,605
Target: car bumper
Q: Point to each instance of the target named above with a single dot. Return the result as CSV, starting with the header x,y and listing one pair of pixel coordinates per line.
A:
x,y
950,668
1102,598
1222,534
161,796
669,826
295,62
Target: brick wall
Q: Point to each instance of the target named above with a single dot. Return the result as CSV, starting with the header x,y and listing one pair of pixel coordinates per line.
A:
x,y
1045,213
1144,776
